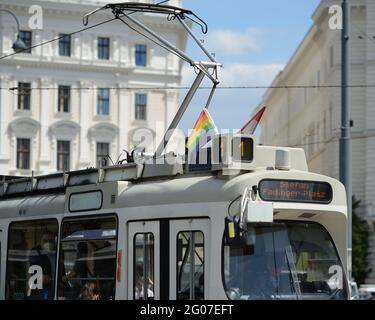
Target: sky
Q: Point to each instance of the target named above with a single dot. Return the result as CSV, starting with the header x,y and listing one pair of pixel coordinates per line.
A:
x,y
253,40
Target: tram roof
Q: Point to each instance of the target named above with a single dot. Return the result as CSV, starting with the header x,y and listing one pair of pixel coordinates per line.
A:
x,y
137,185
185,189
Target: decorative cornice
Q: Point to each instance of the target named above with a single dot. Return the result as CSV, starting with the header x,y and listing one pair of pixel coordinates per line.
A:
x,y
24,126
79,9
64,128
25,120
105,130
44,82
88,67
105,125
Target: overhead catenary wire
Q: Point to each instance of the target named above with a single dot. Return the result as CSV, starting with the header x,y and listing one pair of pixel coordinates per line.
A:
x,y
57,38
152,40
201,87
112,19
180,87
363,33
333,139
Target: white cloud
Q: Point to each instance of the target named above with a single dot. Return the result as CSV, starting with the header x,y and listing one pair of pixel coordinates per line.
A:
x,y
240,74
228,42
230,108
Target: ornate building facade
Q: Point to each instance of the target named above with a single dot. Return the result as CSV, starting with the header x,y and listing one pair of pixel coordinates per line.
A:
x,y
67,104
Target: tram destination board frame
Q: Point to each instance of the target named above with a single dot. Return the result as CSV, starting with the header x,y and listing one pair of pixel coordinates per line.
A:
x,y
304,191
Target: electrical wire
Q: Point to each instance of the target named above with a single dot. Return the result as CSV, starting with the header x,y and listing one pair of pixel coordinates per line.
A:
x,y
67,34
203,87
363,33
333,139
57,38
152,40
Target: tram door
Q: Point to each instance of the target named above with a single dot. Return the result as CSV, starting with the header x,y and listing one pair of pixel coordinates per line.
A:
x,y
143,261
189,259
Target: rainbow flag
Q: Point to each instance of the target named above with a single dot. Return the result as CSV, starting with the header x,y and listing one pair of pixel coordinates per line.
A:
x,y
204,129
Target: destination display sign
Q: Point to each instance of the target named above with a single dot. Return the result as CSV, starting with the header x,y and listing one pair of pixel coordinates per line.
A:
x,y
295,191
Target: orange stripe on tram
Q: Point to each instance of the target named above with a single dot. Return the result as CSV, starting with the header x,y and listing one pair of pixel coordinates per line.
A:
x,y
119,258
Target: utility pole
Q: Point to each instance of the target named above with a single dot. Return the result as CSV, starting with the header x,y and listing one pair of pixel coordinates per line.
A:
x,y
345,139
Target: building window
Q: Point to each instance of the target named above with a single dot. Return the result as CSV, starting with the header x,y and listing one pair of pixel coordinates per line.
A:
x,y
26,37
64,45
140,106
103,48
87,259
23,154
140,55
63,155
103,101
24,95
31,248
64,99
102,152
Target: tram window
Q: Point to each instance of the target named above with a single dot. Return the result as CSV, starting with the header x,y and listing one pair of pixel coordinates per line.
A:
x,y
190,265
87,261
144,266
290,260
31,260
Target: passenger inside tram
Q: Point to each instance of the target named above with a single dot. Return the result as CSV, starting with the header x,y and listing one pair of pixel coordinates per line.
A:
x,y
40,255
88,260
89,291
81,272
140,283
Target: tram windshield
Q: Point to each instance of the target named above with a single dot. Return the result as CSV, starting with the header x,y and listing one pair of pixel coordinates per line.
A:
x,y
288,260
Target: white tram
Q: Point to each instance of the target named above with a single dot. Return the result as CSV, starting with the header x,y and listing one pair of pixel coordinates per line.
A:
x,y
252,223
259,227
